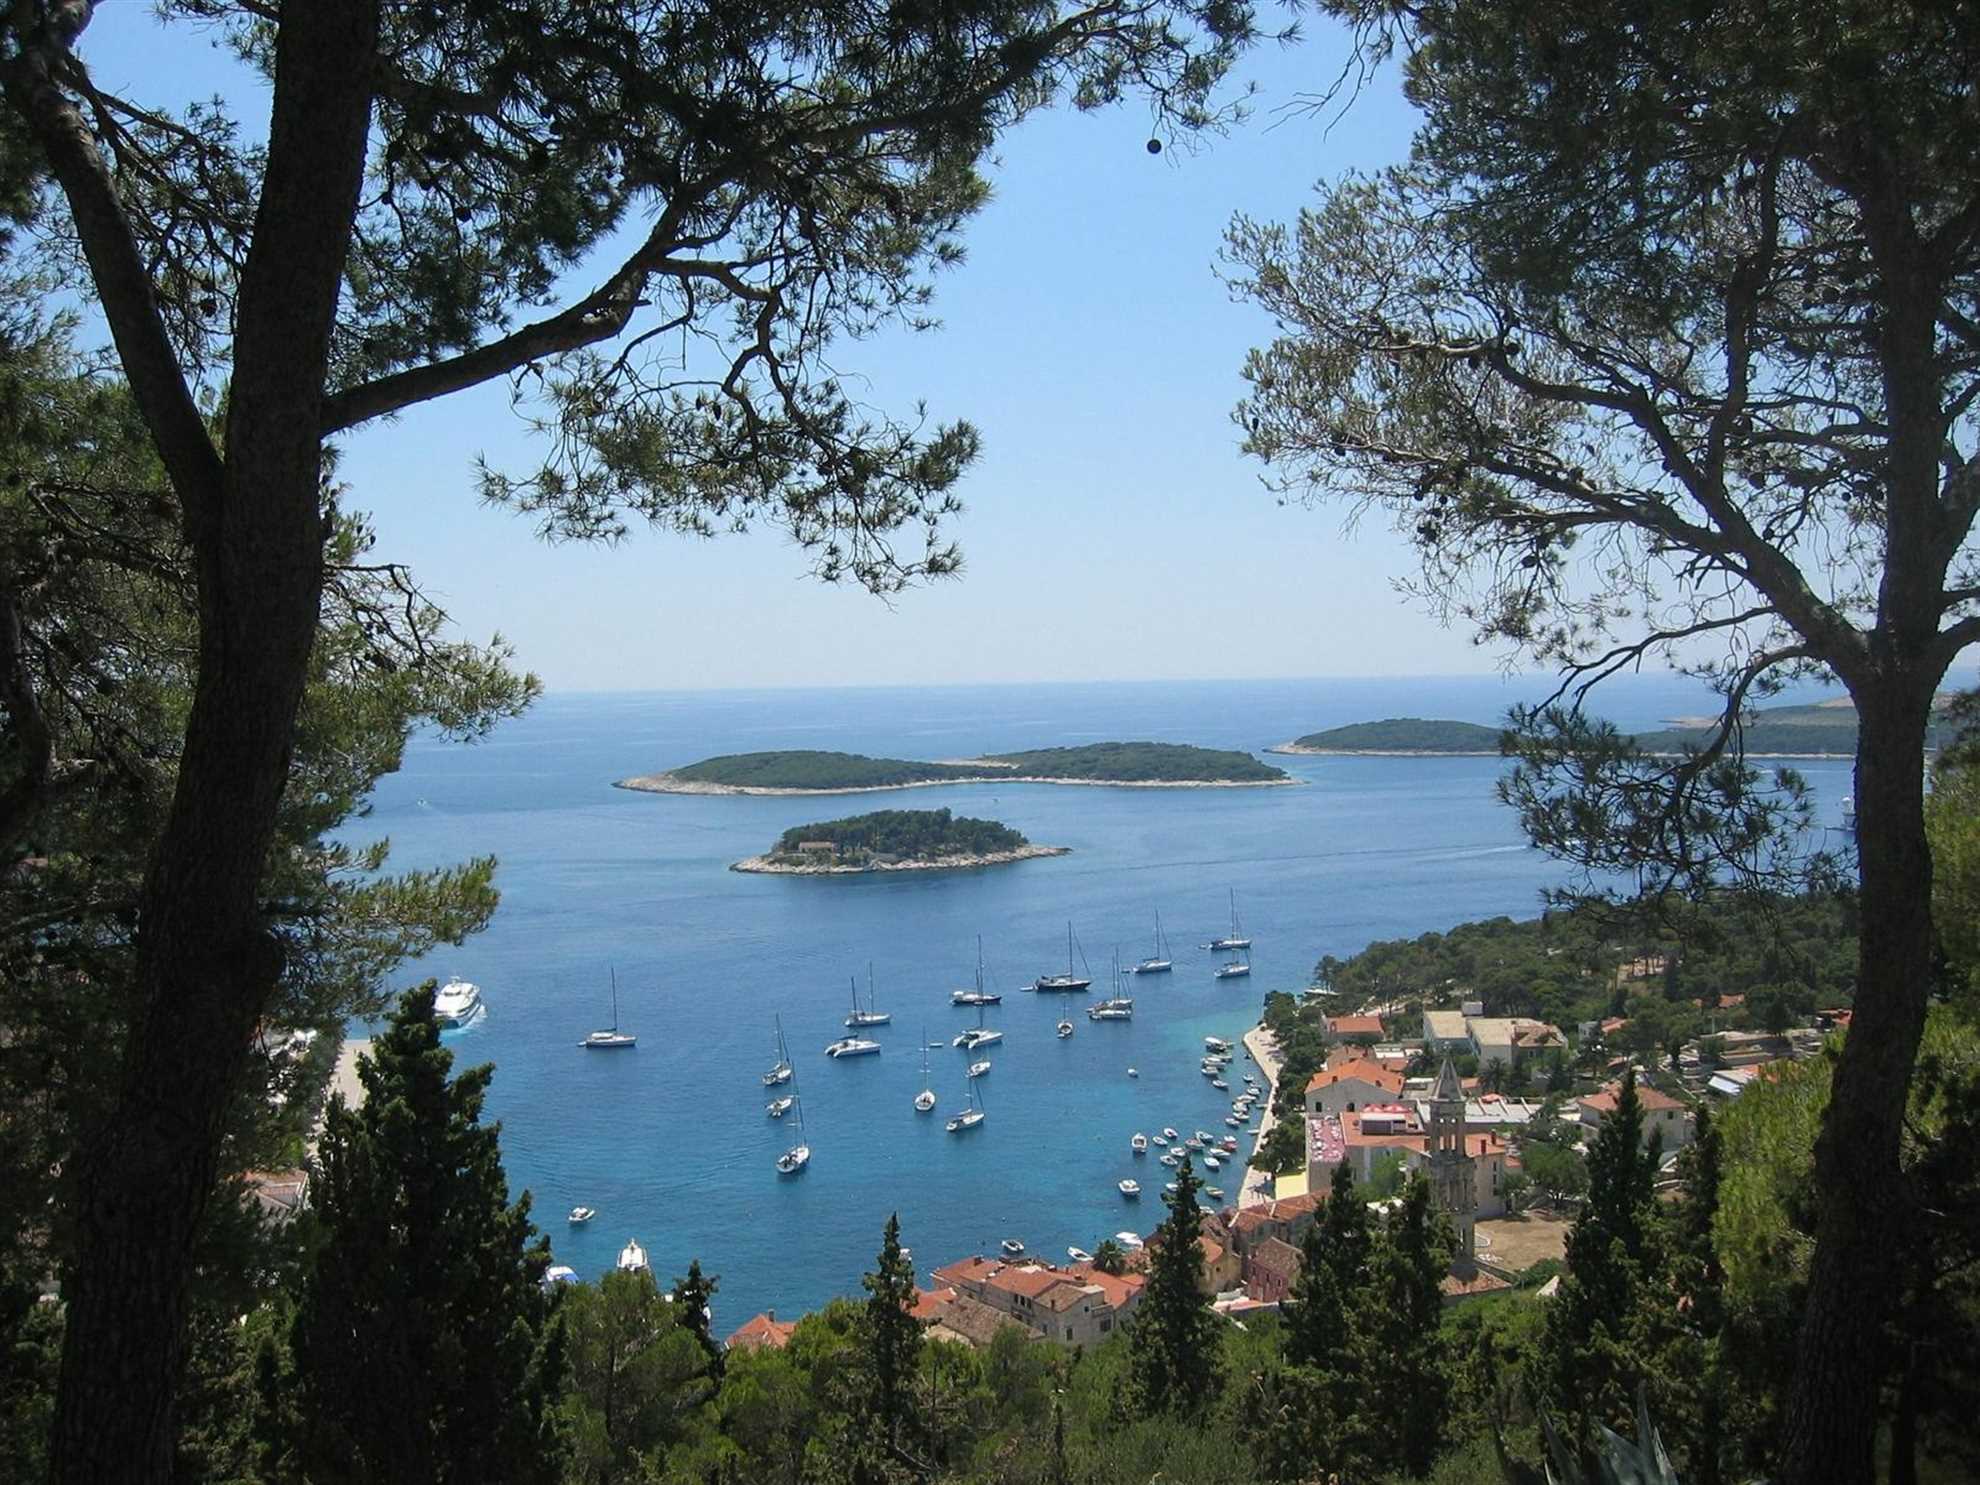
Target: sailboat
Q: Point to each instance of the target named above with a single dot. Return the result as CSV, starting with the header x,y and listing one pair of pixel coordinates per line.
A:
x,y
798,1156
978,996
780,1072
924,1101
1120,1007
1236,969
1159,962
610,1041
1235,939
869,1016
1068,981
970,1117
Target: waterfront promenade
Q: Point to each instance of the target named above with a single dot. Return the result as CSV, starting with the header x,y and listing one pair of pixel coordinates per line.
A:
x,y
1258,1187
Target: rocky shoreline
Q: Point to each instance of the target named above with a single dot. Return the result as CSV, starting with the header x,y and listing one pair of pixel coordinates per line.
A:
x,y
666,783
771,865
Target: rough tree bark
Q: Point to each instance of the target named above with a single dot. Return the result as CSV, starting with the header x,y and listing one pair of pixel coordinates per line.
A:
x,y
254,517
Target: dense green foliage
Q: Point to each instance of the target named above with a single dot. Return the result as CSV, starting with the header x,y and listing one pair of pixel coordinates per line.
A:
x,y
422,1347
1589,962
1141,762
901,835
1173,1340
1404,735
1094,763
803,768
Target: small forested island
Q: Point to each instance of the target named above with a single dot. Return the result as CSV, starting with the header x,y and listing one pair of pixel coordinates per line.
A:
x,y
1400,735
1824,729
801,771
894,840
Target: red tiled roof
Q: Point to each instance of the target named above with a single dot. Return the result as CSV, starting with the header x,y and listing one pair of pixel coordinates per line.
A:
x,y
974,1270
930,1303
1367,1070
1654,1100
1120,1289
762,1330
1030,1281
1277,1257
1354,1025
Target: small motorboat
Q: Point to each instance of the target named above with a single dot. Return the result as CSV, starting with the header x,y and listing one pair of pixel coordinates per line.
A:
x,y
1133,1073
1234,1121
1192,1144
1173,1186
1216,1044
1079,1255
778,1107
978,1069
581,1215
1169,1134
1230,1144
1129,1240
1219,1083
1161,1139
1130,1189
1065,1029
1211,1162
1139,1144
1013,1247
1215,1193
1172,1159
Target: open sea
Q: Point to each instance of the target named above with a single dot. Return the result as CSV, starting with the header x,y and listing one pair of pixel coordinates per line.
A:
x,y
669,1141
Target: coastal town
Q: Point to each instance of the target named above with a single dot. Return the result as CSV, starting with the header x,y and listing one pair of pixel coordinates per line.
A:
x,y
1372,1108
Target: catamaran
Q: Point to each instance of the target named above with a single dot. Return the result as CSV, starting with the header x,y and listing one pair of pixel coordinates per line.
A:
x,y
614,1039
851,1046
978,1035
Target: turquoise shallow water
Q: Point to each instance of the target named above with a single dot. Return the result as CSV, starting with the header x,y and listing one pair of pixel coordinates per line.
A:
x,y
669,1141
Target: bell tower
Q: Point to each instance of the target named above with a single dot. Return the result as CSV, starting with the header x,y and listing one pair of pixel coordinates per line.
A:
x,y
1452,1181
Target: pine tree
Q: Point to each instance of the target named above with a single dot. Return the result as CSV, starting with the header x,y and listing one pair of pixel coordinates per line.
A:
x,y
893,1336
1174,1339
421,1339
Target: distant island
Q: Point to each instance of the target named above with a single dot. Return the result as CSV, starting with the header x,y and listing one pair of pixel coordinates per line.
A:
x,y
1125,764
894,840
1824,729
1405,735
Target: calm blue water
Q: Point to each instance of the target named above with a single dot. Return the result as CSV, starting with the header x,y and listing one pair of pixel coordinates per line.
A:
x,y
669,1141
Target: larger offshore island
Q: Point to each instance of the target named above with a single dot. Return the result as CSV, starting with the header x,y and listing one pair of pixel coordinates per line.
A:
x,y
1117,764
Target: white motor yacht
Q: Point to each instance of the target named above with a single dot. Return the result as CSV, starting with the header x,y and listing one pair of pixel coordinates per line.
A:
x,y
581,1215
1129,1240
978,1069
632,1257
1139,1144
456,1003
778,1107
1130,1189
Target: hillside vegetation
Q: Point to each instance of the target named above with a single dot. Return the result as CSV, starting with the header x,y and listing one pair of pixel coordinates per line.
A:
x,y
902,835
811,769
1404,735
1141,762
1826,728
1094,763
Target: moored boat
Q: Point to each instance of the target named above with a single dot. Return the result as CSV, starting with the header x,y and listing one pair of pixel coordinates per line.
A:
x,y
457,1002
851,1046
581,1215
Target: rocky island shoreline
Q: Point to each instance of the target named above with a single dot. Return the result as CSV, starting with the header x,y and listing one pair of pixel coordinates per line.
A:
x,y
778,865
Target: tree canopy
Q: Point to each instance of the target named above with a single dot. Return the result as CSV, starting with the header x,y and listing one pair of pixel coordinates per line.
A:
x,y
1663,347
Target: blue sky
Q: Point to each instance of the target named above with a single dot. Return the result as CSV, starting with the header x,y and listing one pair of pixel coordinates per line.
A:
x,y
1112,530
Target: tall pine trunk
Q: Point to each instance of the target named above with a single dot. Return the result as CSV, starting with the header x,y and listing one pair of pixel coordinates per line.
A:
x,y
1839,1365
205,962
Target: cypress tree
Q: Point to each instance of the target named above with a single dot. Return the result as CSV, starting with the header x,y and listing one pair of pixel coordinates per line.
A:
x,y
422,1341
1333,1268
893,1336
691,1297
1173,1342
1397,1330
